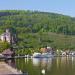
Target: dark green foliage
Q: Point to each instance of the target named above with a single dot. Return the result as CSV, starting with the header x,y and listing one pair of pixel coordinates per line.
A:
x,y
4,45
34,22
39,29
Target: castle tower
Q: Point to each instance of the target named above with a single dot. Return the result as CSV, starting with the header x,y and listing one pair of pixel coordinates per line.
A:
x,y
8,36
7,30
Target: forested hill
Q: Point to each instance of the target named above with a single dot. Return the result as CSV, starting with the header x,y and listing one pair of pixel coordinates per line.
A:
x,y
30,25
29,21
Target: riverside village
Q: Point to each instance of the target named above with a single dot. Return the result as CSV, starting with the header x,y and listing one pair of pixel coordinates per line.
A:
x,y
37,37
45,52
10,53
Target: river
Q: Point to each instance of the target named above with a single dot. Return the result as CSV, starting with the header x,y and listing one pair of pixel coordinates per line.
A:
x,y
45,66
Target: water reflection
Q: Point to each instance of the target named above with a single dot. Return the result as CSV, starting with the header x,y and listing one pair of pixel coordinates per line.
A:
x,y
65,61
45,66
36,61
26,60
44,63
11,62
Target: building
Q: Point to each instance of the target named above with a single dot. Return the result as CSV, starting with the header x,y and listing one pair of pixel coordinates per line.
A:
x,y
43,50
8,36
8,53
47,50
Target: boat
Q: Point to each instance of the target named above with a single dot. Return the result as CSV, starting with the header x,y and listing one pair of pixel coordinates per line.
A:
x,y
47,55
43,55
36,55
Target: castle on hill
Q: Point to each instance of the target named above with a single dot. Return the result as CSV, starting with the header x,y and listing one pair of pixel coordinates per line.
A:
x,y
8,36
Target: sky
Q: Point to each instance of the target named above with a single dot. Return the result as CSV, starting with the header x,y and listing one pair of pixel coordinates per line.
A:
x,y
65,7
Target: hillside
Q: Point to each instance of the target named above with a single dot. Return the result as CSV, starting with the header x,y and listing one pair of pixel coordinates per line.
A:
x,y
39,29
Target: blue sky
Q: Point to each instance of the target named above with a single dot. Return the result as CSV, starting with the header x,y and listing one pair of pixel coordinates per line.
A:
x,y
66,7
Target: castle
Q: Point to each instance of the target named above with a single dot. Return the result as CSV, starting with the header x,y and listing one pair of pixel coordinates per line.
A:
x,y
8,36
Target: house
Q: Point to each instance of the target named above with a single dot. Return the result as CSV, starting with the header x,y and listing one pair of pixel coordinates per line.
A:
x,y
8,53
47,49
43,50
9,37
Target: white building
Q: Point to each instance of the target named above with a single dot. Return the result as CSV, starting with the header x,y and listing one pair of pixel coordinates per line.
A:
x,y
7,36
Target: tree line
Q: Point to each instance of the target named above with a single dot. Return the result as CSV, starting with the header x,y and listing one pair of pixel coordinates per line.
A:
x,y
37,29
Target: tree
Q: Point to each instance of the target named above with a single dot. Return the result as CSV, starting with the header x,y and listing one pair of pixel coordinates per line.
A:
x,y
4,45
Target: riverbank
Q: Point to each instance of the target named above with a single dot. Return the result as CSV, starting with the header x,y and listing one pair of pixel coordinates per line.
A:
x,y
5,69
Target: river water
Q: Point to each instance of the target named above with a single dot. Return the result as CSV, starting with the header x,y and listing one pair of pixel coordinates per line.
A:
x,y
46,66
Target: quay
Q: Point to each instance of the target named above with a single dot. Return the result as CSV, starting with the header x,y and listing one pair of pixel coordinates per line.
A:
x,y
5,69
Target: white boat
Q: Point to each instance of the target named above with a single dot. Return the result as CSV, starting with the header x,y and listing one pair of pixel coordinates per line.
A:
x,y
37,55
43,55
47,55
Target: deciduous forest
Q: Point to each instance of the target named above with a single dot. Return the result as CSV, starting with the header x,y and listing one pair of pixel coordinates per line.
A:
x,y
37,29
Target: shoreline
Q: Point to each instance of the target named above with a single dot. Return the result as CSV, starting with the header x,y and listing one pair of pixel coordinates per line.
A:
x,y
7,70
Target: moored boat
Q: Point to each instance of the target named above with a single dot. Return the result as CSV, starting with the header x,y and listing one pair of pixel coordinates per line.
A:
x,y
36,55
43,55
